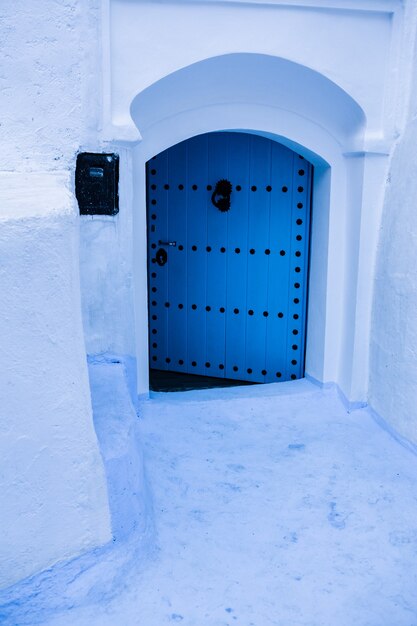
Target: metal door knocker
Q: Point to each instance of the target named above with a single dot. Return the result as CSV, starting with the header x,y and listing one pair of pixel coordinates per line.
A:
x,y
221,195
161,257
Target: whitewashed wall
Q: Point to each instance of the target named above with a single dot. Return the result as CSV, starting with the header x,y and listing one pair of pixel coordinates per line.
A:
x,y
100,75
393,370
53,491
106,272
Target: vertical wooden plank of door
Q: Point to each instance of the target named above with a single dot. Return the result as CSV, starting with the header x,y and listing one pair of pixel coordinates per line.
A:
x,y
196,253
177,258
216,260
280,260
300,231
238,151
258,260
157,229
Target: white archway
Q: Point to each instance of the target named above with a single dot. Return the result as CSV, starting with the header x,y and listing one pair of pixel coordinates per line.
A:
x,y
304,110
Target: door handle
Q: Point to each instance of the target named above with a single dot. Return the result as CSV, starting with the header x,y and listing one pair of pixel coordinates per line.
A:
x,y
167,243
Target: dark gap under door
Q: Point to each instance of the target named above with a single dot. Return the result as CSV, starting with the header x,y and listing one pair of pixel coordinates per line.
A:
x,y
162,380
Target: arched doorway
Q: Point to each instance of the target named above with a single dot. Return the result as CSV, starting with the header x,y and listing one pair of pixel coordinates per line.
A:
x,y
308,113
228,254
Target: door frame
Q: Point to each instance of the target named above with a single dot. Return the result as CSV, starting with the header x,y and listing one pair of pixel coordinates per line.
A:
x,y
318,361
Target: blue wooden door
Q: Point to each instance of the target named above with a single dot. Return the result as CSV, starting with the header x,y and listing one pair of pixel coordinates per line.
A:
x,y
228,288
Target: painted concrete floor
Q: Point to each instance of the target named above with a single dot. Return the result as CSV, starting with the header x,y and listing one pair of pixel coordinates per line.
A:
x,y
272,506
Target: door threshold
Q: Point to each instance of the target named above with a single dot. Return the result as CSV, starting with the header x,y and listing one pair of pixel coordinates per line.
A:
x,y
163,380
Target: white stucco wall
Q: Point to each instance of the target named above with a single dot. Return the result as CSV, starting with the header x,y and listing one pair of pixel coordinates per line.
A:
x,y
393,366
75,76
106,272
49,99
52,483
354,43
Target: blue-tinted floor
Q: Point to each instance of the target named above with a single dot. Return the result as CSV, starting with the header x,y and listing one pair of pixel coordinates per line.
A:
x,y
271,506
